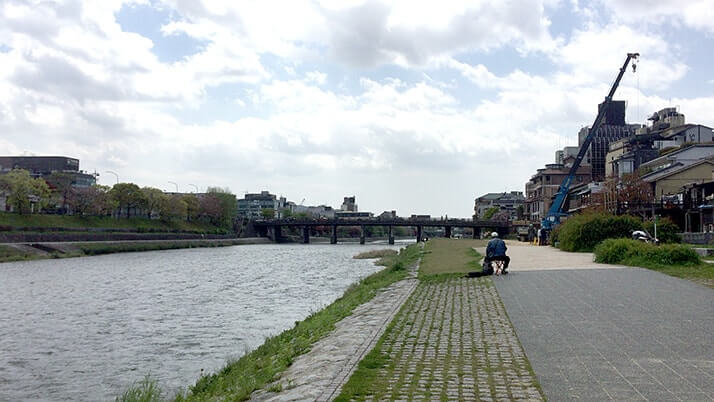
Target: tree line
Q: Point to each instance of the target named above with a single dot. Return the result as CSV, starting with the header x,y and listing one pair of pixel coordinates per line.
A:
x,y
56,194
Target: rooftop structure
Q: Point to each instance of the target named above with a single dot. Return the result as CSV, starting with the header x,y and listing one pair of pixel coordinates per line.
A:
x,y
44,166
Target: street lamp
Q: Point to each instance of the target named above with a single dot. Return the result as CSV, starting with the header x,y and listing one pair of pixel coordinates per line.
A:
x,y
174,185
117,176
194,186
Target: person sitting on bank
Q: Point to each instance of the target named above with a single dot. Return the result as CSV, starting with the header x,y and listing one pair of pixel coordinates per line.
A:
x,y
496,251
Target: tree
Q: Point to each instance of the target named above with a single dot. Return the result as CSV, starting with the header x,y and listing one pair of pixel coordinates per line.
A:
x,y
210,209
228,204
286,213
93,200
267,213
193,207
488,214
61,184
25,193
172,207
154,200
128,196
630,193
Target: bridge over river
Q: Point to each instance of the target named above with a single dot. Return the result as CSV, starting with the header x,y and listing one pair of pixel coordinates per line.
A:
x,y
272,228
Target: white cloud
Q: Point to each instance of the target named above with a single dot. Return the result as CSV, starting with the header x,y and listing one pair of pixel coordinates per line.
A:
x,y
697,14
73,83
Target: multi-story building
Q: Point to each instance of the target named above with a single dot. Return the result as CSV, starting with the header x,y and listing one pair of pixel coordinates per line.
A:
x,y
44,166
319,211
543,185
668,174
252,205
625,156
613,128
349,204
667,130
562,154
506,201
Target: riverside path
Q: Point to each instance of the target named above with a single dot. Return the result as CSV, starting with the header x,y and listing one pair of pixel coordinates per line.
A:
x,y
558,327
602,332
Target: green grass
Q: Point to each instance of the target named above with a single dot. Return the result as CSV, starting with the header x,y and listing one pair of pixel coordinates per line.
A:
x,y
258,369
451,256
147,390
375,254
77,222
9,254
678,260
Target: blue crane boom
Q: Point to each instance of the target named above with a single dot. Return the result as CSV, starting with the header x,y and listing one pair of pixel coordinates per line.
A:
x,y
555,212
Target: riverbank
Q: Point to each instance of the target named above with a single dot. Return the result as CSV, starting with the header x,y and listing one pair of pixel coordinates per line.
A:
x,y
47,250
259,368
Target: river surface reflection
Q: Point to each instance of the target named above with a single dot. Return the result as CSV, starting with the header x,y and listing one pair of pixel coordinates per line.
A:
x,y
87,328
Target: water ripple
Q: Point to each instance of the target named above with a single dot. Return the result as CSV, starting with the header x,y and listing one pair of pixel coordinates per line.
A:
x,y
86,328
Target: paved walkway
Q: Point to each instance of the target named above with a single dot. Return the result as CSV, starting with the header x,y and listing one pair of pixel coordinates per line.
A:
x,y
610,334
526,257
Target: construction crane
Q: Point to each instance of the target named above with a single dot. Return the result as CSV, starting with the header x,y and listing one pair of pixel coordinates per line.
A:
x,y
552,218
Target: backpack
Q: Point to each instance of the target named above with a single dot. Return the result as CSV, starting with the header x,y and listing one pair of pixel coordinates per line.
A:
x,y
487,269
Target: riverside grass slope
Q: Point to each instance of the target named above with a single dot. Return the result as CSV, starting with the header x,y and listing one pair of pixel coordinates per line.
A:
x,y
450,256
13,220
257,369
9,253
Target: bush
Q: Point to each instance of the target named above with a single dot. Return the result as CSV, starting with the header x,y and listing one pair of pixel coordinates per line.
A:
x,y
584,232
667,231
632,252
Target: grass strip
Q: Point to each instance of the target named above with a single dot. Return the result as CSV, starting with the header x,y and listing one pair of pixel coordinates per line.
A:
x,y
10,254
259,368
450,256
375,254
13,220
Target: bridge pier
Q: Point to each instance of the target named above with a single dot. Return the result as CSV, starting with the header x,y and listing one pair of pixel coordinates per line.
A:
x,y
476,232
277,233
333,237
306,234
362,234
391,235
419,236
447,232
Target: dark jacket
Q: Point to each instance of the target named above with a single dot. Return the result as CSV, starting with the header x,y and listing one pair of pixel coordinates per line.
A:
x,y
496,247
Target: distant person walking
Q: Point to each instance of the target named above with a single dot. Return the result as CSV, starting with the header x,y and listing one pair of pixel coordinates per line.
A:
x,y
543,236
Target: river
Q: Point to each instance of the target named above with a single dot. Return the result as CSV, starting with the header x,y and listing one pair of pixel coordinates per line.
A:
x,y
87,328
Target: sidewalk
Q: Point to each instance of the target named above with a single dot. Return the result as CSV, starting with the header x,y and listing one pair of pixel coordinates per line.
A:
x,y
610,334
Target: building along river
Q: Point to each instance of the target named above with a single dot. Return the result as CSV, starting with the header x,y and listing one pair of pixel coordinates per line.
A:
x,y
87,328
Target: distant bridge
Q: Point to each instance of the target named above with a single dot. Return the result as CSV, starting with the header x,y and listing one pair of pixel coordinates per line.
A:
x,y
272,228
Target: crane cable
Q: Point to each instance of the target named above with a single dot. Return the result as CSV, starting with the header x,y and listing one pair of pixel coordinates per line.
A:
x,y
634,71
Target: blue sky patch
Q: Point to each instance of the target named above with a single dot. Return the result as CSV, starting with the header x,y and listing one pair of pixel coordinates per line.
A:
x,y
147,20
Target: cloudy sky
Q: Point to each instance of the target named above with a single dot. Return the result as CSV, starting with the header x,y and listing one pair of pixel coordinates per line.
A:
x,y
408,105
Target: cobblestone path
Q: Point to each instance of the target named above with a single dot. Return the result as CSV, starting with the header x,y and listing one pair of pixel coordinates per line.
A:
x,y
453,341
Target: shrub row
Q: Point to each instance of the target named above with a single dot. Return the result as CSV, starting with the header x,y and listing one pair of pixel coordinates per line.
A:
x,y
584,232
632,252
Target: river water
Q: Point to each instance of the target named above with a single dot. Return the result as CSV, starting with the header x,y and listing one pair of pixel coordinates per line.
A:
x,y
87,328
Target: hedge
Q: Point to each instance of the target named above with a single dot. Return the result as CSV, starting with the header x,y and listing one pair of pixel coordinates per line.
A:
x,y
633,252
584,232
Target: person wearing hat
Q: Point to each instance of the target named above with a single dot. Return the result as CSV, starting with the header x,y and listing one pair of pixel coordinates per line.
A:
x,y
496,251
